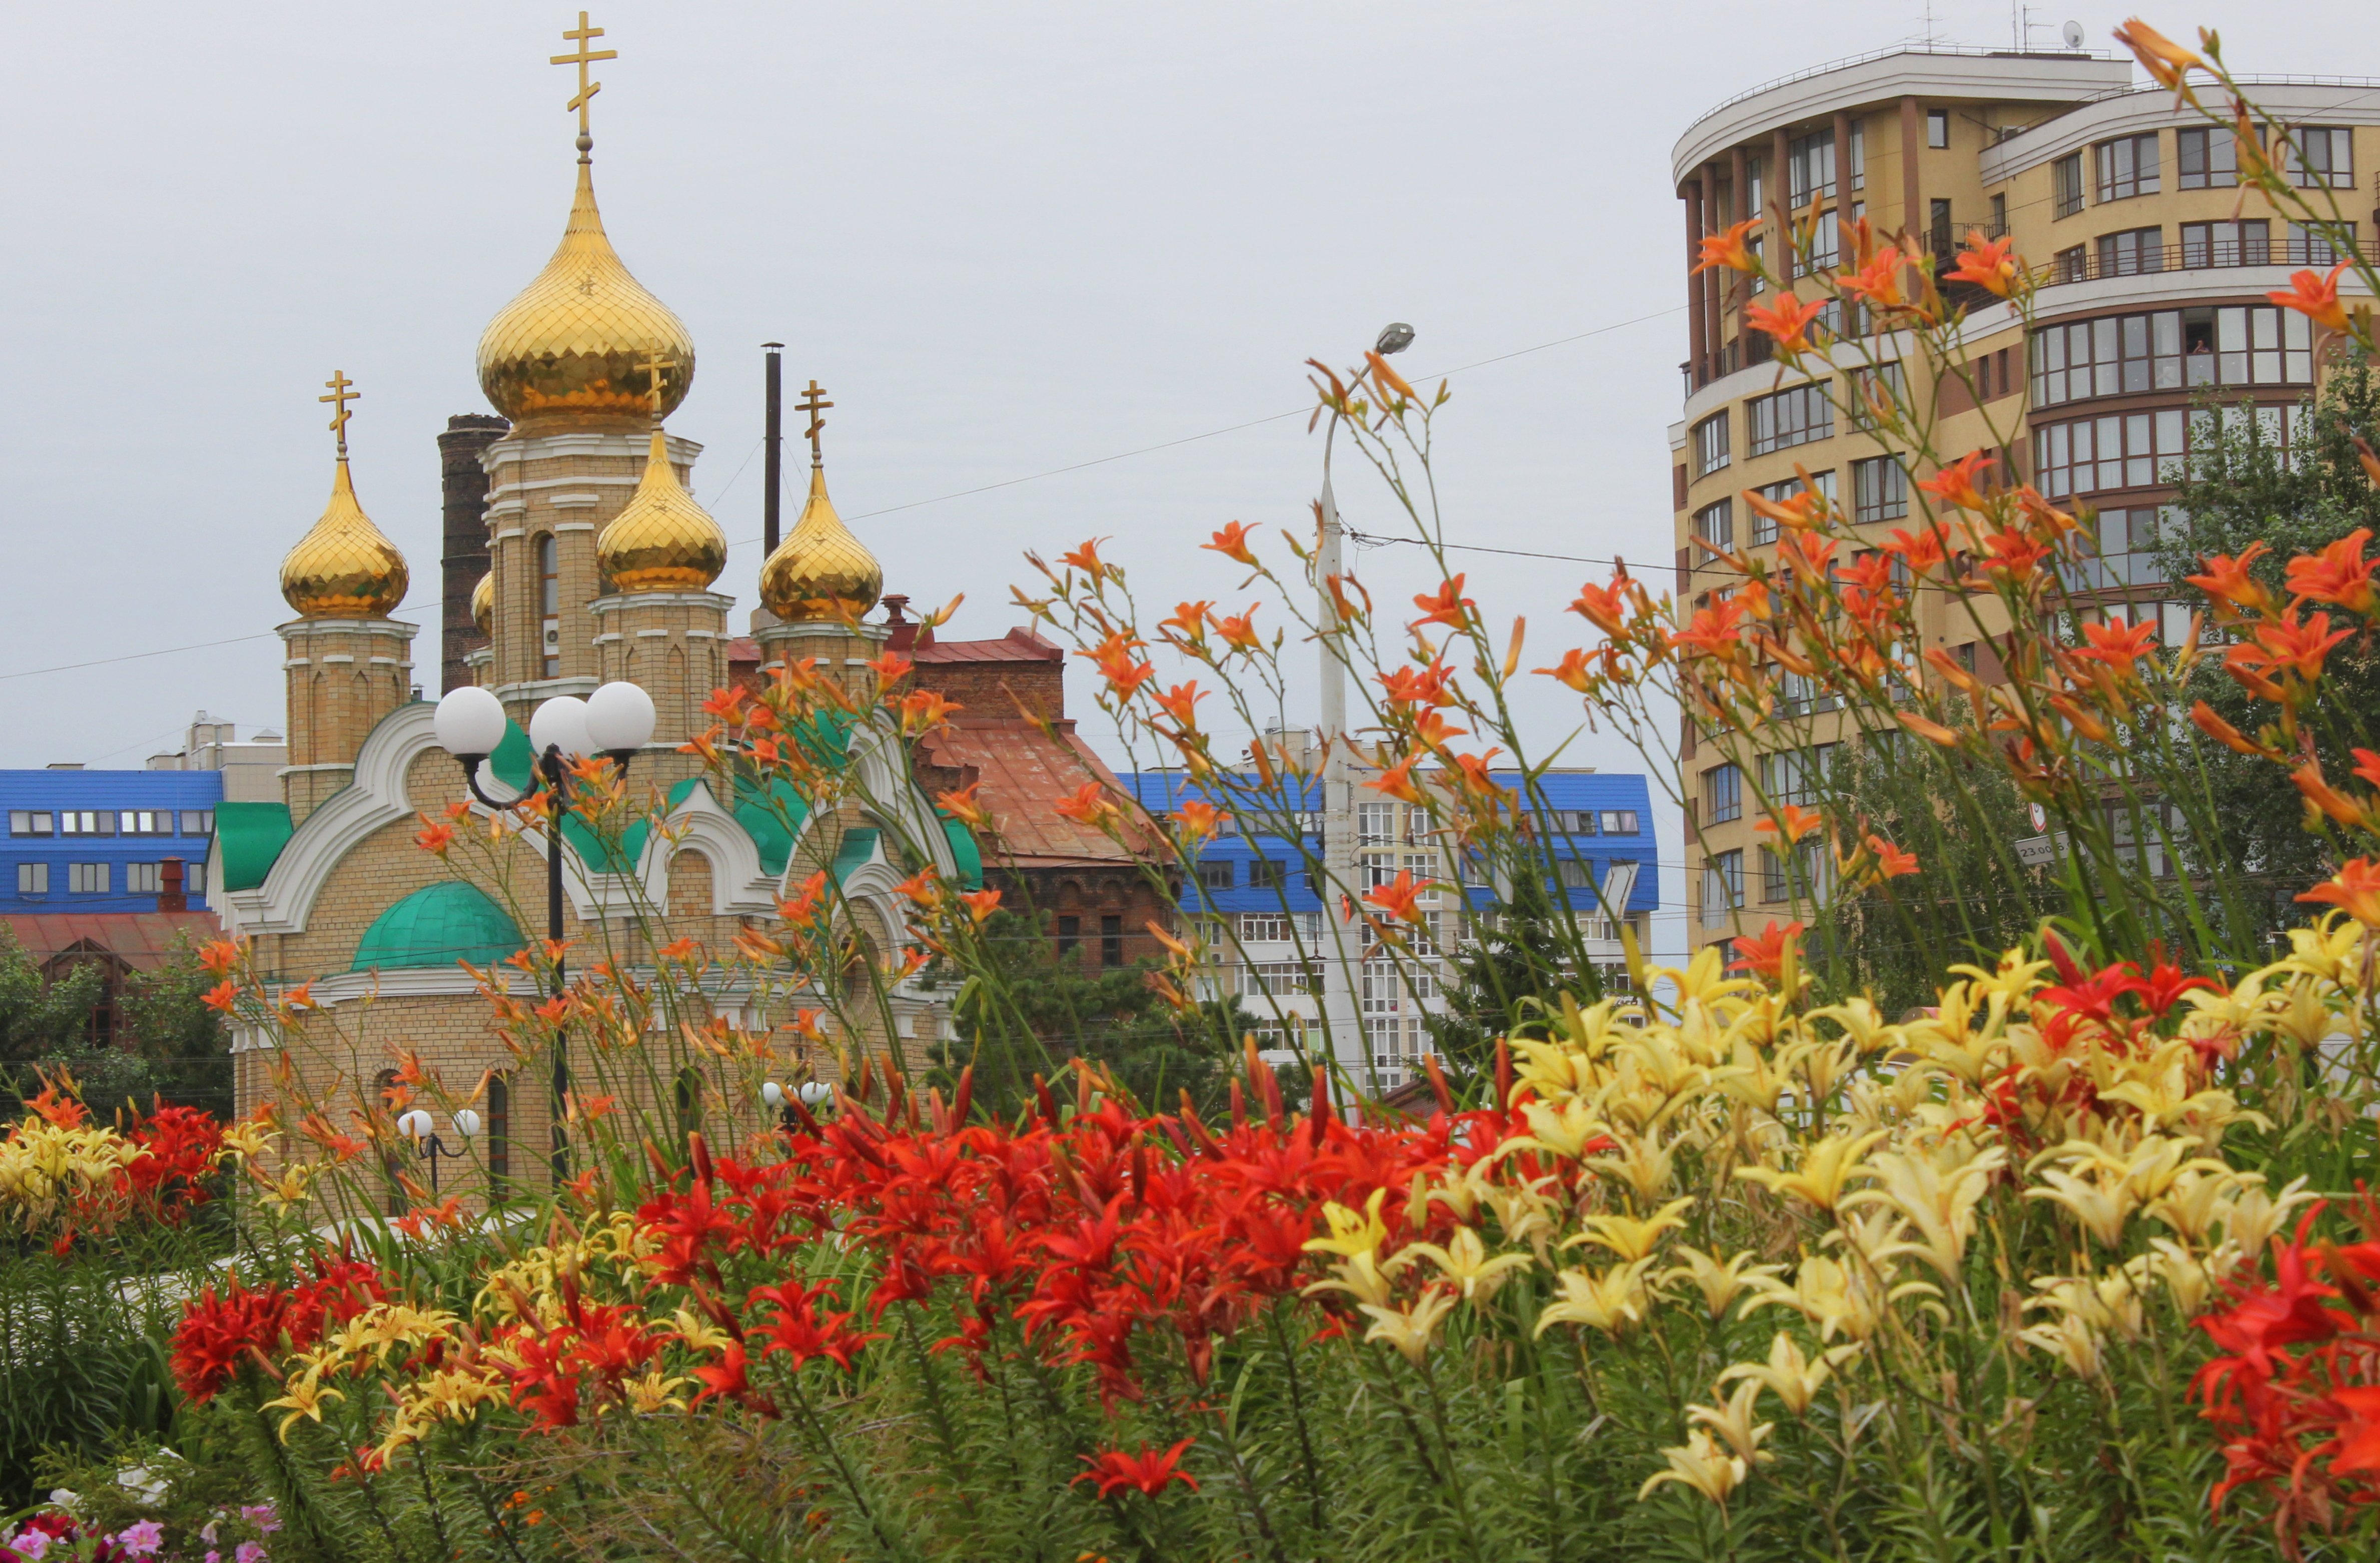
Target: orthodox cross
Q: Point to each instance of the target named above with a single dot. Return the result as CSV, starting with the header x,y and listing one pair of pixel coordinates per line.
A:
x,y
656,381
341,394
582,35
814,403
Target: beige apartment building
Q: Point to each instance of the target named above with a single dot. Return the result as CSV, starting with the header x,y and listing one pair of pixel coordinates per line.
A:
x,y
2152,275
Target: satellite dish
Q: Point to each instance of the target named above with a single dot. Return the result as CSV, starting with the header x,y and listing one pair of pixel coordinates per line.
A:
x,y
2073,35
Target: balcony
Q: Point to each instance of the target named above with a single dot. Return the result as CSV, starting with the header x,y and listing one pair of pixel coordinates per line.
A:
x,y
2079,264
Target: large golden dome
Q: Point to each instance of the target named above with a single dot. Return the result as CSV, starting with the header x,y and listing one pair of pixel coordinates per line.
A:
x,y
345,568
820,571
576,341
483,603
662,541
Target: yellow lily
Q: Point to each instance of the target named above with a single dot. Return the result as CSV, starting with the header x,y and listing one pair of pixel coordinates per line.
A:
x,y
1608,1300
1410,1330
1628,1236
1824,1169
1464,1262
1733,1422
1720,1283
1790,1376
1699,1465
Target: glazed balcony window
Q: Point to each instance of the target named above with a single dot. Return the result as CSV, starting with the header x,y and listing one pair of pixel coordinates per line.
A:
x,y
1791,418
1879,490
2319,157
2206,159
2133,252
2227,244
1708,444
2310,246
2123,551
2119,451
1722,886
1722,794
1764,531
2126,167
2066,182
2171,349
1715,524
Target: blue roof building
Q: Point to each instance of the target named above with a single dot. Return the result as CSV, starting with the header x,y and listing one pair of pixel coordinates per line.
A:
x,y
97,841
1254,882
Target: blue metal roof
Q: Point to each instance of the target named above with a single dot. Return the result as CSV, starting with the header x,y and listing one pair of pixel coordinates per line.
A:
x,y
164,795
1565,792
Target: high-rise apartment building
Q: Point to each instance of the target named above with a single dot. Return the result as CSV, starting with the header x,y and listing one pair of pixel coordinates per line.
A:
x,y
2153,272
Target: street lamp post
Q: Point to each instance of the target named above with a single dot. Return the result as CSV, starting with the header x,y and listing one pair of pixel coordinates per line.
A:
x,y
614,723
417,1127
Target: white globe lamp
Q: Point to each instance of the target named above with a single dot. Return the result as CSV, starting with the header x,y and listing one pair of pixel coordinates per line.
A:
x,y
561,724
467,1123
414,1125
470,723
619,718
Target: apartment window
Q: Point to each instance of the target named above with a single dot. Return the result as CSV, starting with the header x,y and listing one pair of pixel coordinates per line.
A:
x,y
1265,872
1264,927
2124,552
548,598
1722,794
1709,441
1620,822
1574,873
1756,172
2311,246
2319,157
87,822
1800,695
2131,253
142,878
1879,490
1938,128
87,878
32,879
1376,824
1796,776
1715,524
1791,418
198,822
1215,876
2206,159
2227,244
146,822
2071,265
2126,167
1111,940
1776,883
1572,821
1260,979
1722,886
1810,164
2121,450
1070,936
32,822
2065,185
2123,355
194,879
1764,531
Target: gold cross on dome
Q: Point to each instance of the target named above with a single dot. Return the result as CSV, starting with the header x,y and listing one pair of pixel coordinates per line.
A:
x,y
582,35
342,394
814,403
656,378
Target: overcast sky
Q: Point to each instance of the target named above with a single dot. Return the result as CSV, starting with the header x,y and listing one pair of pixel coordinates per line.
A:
x,y
1006,238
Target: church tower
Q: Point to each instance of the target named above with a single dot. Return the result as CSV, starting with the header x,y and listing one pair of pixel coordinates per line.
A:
x,y
819,583
347,663
583,363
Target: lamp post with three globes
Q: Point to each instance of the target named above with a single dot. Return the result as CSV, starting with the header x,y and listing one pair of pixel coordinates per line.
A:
x,y
614,723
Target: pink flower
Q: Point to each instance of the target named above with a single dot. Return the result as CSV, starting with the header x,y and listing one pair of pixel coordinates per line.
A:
x,y
27,1545
141,1540
260,1515
249,1552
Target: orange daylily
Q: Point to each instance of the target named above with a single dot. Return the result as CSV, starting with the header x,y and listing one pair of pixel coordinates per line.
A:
x,y
1200,820
1089,805
1570,671
1955,484
1232,542
1729,249
922,709
1397,897
224,995
434,838
2230,737
1086,558
2315,298
1891,862
2339,575
1763,953
1240,630
2286,643
802,910
892,667
1603,606
2367,766
981,904
2167,62
2117,645
1445,606
1987,263
219,955
2355,889
1878,282
2227,582
1181,703
2322,795
1397,782
1931,732
1793,822
1189,622
1787,320
961,807
1797,513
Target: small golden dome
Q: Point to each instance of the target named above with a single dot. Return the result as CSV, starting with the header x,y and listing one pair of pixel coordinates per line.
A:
x,y
576,341
660,541
345,568
820,571
483,603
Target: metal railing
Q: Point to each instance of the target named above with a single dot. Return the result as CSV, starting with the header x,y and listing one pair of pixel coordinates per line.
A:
x,y
2092,266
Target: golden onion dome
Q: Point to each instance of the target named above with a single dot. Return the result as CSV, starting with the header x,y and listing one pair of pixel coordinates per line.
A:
x,y
345,568
662,541
820,571
483,603
576,342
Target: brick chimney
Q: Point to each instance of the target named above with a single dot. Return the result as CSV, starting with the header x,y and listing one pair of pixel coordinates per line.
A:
x,y
169,886
463,483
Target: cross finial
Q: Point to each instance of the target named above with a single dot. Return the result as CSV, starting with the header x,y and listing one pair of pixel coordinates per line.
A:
x,y
582,35
342,393
814,403
656,369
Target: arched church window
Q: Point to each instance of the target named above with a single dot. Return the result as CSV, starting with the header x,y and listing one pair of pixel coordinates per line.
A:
x,y
549,602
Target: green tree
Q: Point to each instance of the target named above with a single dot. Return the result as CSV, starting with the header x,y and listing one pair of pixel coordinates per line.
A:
x,y
1520,958
40,1019
2241,489
1027,1009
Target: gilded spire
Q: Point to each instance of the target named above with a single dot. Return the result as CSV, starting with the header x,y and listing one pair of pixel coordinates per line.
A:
x,y
569,348
660,541
343,568
820,571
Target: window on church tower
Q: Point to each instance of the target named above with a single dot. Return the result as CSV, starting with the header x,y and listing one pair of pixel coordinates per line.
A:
x,y
549,602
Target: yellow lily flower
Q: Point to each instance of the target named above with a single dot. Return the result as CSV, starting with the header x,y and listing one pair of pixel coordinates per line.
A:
x,y
1410,1330
1464,1262
1700,1465
1733,1422
304,1398
1720,1284
1608,1300
1824,1169
1790,1376
1351,1234
1628,1236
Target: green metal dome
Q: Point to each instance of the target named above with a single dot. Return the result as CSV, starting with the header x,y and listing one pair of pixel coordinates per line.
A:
x,y
437,925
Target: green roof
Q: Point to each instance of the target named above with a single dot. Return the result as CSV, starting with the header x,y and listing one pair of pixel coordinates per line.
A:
x,y
858,844
963,848
437,925
251,836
